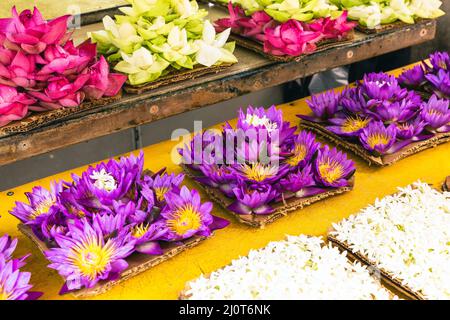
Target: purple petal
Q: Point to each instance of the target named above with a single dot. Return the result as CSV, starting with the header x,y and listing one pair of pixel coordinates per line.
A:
x,y
151,247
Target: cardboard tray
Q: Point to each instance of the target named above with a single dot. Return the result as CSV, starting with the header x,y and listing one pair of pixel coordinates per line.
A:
x,y
387,27
39,119
176,76
137,262
281,208
384,160
386,278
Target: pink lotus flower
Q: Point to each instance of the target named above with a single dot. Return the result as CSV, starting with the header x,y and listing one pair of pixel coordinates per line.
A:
x,y
13,105
20,71
290,38
68,59
332,28
61,92
31,32
101,82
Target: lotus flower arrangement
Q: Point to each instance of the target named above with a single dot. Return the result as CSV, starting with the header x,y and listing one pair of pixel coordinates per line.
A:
x,y
431,77
262,162
287,28
41,69
14,283
109,212
155,38
379,115
372,14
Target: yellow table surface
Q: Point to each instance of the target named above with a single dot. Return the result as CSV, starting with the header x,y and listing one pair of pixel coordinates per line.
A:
x,y
166,280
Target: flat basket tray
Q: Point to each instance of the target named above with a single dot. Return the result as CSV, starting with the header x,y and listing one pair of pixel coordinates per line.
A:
x,y
177,76
137,262
40,119
384,160
281,209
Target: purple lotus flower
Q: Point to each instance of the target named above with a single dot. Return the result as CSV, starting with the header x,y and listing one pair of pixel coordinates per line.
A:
x,y
42,203
257,149
253,200
7,247
147,235
414,77
436,114
332,168
84,257
300,184
185,216
31,32
324,105
301,150
194,154
349,126
399,111
353,101
221,177
440,82
13,105
99,186
411,129
162,184
440,60
376,137
380,86
259,173
14,284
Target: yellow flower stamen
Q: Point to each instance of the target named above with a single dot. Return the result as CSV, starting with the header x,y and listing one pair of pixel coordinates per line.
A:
x,y
42,208
91,257
299,154
330,171
139,230
160,192
354,124
258,172
184,219
4,295
377,139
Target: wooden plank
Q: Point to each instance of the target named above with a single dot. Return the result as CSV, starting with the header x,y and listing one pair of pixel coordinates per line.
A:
x,y
252,73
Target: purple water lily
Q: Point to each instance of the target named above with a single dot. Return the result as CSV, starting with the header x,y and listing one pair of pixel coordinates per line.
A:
x,y
253,200
414,77
300,184
41,204
440,60
300,151
350,126
163,183
84,257
14,284
216,176
436,114
411,130
332,168
376,137
185,216
323,105
399,111
353,101
380,86
440,82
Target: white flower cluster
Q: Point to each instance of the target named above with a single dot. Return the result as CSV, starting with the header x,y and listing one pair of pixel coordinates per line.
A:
x,y
408,236
297,268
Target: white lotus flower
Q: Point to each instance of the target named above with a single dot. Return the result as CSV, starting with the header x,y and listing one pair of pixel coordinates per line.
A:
x,y
369,14
123,36
141,66
426,8
211,48
185,8
286,5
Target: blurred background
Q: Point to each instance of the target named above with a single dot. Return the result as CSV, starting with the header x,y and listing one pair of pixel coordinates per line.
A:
x,y
98,149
